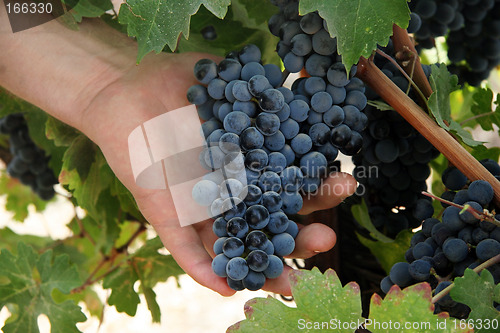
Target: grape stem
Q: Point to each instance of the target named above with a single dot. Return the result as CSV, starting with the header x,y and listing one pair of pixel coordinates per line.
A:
x,y
484,215
478,269
420,120
408,77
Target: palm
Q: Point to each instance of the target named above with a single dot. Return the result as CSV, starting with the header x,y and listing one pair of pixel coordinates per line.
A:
x,y
156,86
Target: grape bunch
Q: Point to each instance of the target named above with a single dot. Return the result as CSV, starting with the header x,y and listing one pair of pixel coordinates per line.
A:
x,y
472,28
29,163
445,247
256,125
393,163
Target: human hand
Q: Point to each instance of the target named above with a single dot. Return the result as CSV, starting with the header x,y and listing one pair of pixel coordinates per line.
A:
x,y
156,86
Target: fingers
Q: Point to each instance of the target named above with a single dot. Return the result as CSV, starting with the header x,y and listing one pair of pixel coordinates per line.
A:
x,y
333,191
313,239
280,285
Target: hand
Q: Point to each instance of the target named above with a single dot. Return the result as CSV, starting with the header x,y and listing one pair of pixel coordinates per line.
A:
x,y
158,85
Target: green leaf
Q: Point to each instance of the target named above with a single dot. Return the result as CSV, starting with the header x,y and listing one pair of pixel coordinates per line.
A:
x,y
411,306
153,306
380,105
477,292
443,84
32,279
253,14
19,198
319,298
359,25
88,8
361,215
157,23
482,152
149,267
59,132
10,239
389,253
231,35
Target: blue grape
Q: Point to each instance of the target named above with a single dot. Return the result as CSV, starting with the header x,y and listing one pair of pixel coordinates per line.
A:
x,y
446,301
249,53
454,179
291,179
290,128
313,164
487,249
270,181
480,191
237,227
205,192
323,44
236,285
250,69
230,188
423,209
400,274
252,176
257,217
337,75
284,113
287,94
311,23
340,135
267,123
249,108
288,30
319,134
216,88
455,250
292,229
357,99
284,244
233,207
254,280
334,116
293,63
301,144
272,201
219,264
317,65
451,218
351,115
315,118
276,162
338,94
197,94
214,137
223,111
240,91
236,122
321,101
273,74
233,247
257,260
292,202
275,142
237,268
256,159
311,184
229,70
301,45
271,100
258,84
386,284
256,240
219,227
216,208
274,268
218,245
251,138
467,216
314,84
253,195
299,110
205,70
387,150
355,84
421,250
205,110
278,222
420,270
228,91
289,154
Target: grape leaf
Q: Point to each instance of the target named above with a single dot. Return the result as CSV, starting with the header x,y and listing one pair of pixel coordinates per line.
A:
x,y
149,267
361,215
477,292
32,279
253,14
388,254
319,298
19,198
231,35
88,8
443,84
359,25
409,310
157,23
482,109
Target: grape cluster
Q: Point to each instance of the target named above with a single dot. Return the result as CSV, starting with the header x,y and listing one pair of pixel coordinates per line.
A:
x,y
393,163
283,141
29,163
472,28
445,247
